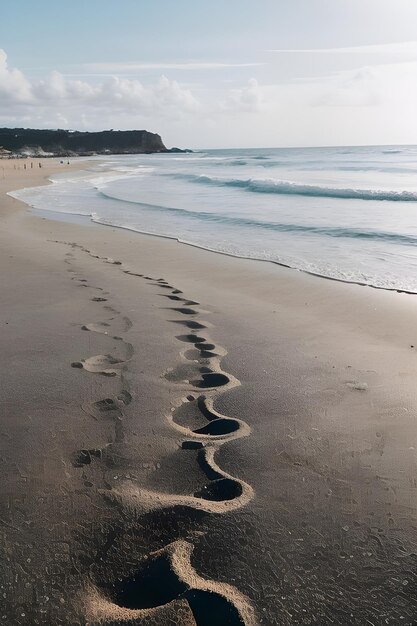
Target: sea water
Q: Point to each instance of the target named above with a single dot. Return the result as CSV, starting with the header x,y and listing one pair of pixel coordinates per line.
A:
x,y
344,213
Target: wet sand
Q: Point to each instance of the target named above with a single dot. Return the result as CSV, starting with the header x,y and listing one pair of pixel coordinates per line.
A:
x,y
189,438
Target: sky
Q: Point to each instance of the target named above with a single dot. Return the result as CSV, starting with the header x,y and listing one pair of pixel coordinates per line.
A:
x,y
214,74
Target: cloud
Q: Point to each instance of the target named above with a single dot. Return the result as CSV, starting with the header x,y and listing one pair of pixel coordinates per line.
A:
x,y
134,67
405,49
163,96
116,100
14,87
358,88
369,86
56,97
248,99
118,92
57,88
374,102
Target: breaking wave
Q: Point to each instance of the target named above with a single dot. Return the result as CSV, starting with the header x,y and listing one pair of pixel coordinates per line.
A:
x,y
286,187
330,231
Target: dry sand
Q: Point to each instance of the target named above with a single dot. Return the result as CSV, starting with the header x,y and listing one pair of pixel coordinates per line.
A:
x,y
188,438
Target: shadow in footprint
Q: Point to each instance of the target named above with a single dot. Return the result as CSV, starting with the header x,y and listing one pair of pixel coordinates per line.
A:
x,y
220,426
154,585
210,608
176,298
191,338
220,490
106,406
201,356
85,457
206,347
110,408
184,310
163,579
132,273
125,397
198,419
189,324
211,379
192,445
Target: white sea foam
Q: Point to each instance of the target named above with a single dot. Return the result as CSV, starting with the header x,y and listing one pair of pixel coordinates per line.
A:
x,y
287,187
348,214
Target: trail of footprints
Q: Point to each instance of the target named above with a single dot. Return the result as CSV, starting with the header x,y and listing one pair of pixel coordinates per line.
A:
x,y
165,589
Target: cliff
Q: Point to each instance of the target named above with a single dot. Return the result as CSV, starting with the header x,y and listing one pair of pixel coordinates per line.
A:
x,y
76,143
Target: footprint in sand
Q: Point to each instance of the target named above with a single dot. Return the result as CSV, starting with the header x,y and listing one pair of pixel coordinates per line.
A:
x,y
179,299
202,356
85,457
191,338
185,311
186,373
112,262
108,407
222,494
166,589
196,417
99,327
357,386
133,273
211,379
102,328
192,324
100,364
175,298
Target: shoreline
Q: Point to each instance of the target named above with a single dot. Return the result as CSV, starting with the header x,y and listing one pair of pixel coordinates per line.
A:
x,y
178,240
246,258
307,468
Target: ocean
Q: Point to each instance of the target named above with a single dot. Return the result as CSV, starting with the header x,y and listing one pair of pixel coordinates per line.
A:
x,y
346,213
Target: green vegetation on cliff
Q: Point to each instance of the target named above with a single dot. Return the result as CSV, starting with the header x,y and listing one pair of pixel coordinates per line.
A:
x,y
77,143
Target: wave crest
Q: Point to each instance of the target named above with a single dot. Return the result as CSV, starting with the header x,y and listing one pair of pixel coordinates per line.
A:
x,y
286,187
330,231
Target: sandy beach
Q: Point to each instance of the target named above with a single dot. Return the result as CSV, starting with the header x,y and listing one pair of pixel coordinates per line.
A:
x,y
195,439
